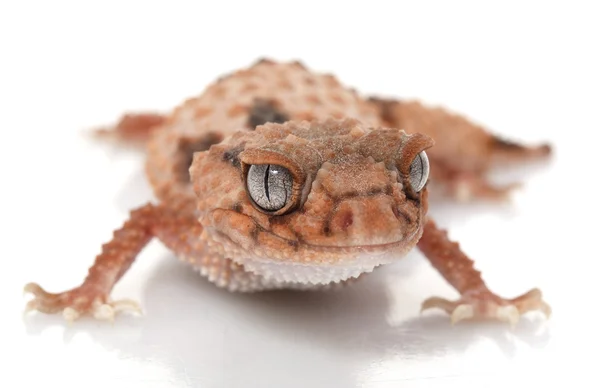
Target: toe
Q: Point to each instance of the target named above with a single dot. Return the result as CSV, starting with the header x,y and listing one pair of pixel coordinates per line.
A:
x,y
531,301
437,302
127,305
103,311
77,302
509,313
462,312
35,289
486,305
70,314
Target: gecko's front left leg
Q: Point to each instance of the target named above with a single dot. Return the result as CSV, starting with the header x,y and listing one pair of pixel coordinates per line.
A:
x,y
175,226
476,300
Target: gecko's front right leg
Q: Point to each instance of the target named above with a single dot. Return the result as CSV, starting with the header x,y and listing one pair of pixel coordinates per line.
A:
x,y
175,226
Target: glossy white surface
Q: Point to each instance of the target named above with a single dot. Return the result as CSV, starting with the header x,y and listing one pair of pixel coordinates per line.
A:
x,y
530,72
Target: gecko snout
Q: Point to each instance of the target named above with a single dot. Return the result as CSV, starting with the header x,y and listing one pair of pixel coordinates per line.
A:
x,y
372,221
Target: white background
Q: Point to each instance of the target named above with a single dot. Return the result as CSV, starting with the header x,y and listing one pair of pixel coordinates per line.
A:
x,y
527,70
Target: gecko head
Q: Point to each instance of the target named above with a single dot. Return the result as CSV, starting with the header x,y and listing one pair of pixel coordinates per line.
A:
x,y
287,200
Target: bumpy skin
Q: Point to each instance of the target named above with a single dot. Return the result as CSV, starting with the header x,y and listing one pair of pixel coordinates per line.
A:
x,y
349,213
351,209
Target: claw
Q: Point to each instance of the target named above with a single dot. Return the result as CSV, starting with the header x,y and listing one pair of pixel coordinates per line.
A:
x,y
104,312
26,290
509,313
486,305
462,312
29,307
440,303
32,288
70,314
546,309
127,305
76,303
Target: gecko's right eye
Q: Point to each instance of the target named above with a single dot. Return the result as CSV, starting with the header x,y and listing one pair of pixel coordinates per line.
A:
x,y
269,186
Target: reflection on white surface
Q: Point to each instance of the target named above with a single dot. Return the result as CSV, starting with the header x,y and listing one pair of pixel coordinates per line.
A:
x,y
286,338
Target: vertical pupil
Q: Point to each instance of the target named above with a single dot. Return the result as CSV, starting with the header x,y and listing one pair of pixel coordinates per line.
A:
x,y
269,186
266,182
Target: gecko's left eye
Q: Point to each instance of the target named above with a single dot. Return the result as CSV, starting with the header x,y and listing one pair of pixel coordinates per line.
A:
x,y
419,171
269,186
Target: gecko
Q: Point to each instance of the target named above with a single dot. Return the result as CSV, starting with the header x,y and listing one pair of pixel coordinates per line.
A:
x,y
280,177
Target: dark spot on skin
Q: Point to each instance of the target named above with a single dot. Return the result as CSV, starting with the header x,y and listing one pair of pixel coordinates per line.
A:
x,y
186,149
264,60
298,236
389,189
293,244
327,230
255,232
299,64
341,198
386,111
351,194
504,145
277,220
347,220
498,142
237,207
232,154
309,80
374,192
263,111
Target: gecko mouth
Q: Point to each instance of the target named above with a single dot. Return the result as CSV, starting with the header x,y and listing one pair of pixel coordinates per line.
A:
x,y
324,264
241,238
230,224
257,237
358,247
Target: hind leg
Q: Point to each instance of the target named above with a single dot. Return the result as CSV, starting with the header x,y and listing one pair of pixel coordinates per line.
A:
x,y
132,127
464,186
464,151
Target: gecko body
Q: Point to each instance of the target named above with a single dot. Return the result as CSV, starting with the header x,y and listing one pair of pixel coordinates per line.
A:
x,y
279,177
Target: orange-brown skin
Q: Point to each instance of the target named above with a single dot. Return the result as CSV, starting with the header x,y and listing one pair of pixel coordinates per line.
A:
x,y
464,151
351,207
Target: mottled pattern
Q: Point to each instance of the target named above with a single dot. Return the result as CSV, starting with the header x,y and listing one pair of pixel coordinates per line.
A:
x,y
464,151
233,103
349,205
350,209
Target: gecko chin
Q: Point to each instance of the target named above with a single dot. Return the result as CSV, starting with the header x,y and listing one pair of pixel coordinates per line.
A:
x,y
308,259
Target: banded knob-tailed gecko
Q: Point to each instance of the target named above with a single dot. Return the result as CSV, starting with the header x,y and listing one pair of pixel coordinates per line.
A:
x,y
278,177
